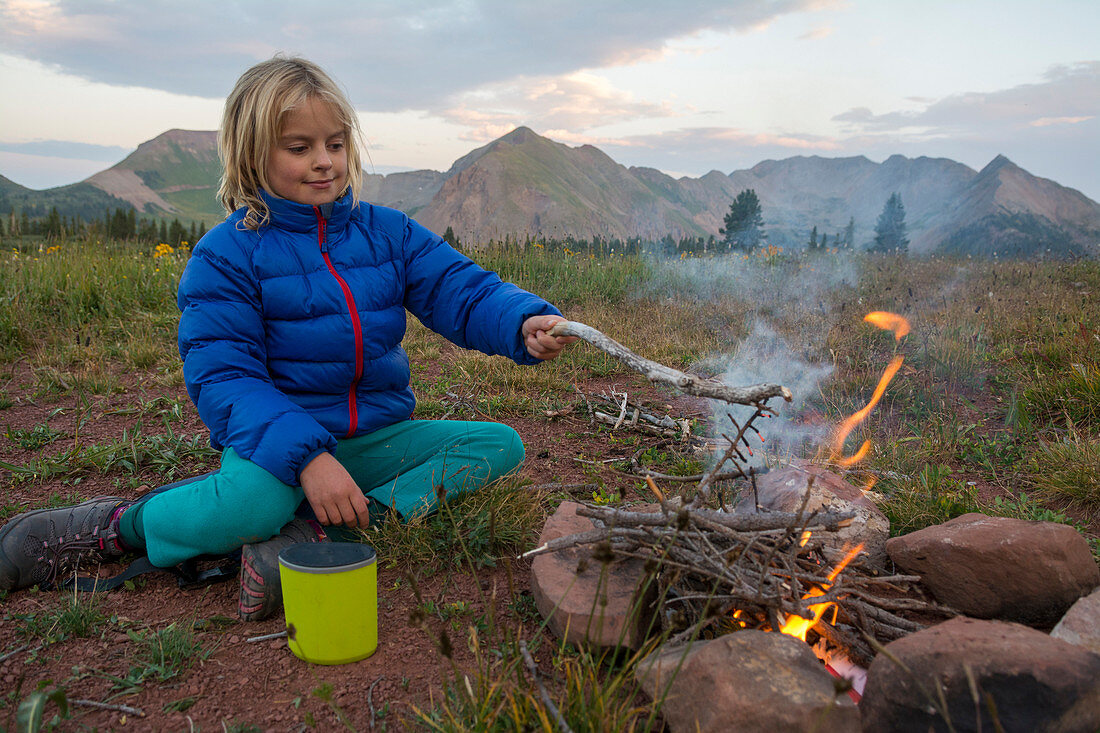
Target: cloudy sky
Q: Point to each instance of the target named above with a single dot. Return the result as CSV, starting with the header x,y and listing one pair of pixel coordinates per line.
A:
x,y
687,86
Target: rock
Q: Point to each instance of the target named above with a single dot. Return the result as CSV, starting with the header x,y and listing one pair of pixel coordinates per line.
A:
x,y
1034,682
585,600
746,681
1081,624
782,491
994,567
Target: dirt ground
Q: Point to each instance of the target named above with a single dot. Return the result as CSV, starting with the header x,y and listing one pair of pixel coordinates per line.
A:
x,y
244,682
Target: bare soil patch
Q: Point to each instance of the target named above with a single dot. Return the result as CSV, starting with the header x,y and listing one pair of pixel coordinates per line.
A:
x,y
260,683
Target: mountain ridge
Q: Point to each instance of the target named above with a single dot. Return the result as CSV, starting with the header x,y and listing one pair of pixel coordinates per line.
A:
x,y
524,184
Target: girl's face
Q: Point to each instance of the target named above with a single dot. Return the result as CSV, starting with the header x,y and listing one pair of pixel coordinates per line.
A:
x,y
309,163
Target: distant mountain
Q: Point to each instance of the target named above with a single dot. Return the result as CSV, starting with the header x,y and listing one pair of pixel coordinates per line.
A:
x,y
1008,211
799,193
77,199
525,184
409,191
175,174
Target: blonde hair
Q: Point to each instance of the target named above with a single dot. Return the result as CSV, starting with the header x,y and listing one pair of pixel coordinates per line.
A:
x,y
252,123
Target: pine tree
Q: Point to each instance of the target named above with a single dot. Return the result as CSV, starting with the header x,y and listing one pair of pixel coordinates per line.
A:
x,y
176,233
53,224
744,222
813,238
890,234
850,233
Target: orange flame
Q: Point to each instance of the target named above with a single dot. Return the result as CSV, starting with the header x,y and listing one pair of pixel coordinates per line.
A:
x,y
855,419
804,539
798,626
889,322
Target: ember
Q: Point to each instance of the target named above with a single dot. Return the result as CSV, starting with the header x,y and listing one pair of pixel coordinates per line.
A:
x,y
798,625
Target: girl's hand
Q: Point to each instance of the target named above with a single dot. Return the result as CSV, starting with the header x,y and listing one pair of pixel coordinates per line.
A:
x,y
333,493
541,344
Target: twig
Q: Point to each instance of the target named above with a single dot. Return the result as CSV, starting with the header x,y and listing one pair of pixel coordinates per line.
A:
x,y
856,648
13,652
533,669
370,699
108,706
567,488
654,372
265,637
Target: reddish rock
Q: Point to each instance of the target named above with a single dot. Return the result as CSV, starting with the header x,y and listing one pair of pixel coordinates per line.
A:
x,y
1034,682
782,491
1081,624
586,600
994,567
746,681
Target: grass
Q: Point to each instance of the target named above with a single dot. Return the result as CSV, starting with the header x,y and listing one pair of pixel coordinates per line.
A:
x,y
1069,468
996,409
476,529
33,438
162,655
132,452
78,616
595,693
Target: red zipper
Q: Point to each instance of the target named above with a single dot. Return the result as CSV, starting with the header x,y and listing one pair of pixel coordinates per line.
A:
x,y
349,299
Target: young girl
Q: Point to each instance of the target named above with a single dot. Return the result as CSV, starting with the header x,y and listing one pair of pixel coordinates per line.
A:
x,y
292,316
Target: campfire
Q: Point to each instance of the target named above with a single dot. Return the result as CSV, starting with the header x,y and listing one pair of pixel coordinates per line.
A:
x,y
717,571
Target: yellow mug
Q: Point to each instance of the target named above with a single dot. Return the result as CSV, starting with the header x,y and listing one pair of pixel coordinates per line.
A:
x,y
330,597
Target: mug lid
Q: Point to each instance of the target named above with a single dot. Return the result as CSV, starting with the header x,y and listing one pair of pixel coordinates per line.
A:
x,y
327,557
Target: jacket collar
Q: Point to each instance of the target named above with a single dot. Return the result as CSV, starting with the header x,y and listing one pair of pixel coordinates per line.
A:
x,y
295,217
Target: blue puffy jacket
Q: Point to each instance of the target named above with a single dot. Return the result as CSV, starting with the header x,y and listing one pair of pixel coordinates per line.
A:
x,y
291,335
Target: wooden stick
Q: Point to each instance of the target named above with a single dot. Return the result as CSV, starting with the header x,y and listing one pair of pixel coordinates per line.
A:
x,y
661,374
370,699
533,669
13,652
108,706
739,522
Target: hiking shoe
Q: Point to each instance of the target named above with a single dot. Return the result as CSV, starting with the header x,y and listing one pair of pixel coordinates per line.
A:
x,y
44,546
261,591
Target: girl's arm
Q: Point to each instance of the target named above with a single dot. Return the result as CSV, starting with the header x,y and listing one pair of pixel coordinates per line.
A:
x,y
471,306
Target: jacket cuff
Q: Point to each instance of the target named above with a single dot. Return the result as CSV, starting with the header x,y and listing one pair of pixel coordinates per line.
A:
x,y
306,461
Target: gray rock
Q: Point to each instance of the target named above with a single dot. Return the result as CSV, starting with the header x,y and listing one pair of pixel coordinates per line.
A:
x,y
1081,624
782,490
587,601
746,681
1035,683
994,567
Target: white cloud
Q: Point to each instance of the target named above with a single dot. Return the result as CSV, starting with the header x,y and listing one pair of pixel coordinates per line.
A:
x,y
575,102
1067,94
1048,121
817,34
391,56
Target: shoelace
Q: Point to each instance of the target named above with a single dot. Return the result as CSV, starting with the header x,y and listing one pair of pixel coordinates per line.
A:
x,y
65,556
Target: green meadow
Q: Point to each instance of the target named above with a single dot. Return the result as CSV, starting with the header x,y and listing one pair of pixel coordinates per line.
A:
x,y
996,408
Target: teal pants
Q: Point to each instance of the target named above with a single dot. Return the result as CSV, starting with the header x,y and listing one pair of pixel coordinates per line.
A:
x,y
401,466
